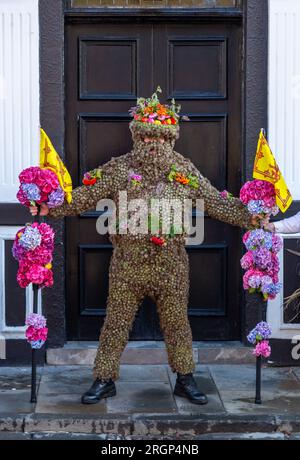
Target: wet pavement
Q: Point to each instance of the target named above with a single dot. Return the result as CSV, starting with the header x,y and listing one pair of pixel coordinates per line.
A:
x,y
145,404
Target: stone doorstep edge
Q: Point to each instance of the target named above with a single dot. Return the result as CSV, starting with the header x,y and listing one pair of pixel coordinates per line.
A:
x,y
145,425
65,356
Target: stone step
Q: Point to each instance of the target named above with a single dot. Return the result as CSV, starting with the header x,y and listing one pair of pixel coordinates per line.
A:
x,y
152,352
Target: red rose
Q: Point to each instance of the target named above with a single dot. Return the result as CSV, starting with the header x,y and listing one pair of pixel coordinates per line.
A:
x,y
89,181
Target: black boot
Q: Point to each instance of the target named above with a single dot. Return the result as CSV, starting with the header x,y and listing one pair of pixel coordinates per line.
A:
x,y
98,391
187,388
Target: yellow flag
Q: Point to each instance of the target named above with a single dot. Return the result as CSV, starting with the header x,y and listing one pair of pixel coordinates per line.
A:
x,y
266,168
49,159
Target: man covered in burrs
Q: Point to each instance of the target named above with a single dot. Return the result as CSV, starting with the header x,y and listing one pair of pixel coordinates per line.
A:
x,y
145,264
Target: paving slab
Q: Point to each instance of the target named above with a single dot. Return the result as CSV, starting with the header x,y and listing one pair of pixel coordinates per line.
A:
x,y
207,386
144,397
67,404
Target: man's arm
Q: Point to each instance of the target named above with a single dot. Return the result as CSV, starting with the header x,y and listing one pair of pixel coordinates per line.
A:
x,y
289,225
86,197
230,210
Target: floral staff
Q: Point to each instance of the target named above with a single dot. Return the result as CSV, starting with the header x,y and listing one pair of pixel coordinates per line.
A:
x,y
46,185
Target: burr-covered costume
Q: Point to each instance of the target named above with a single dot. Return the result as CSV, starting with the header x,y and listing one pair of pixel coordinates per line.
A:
x,y
139,267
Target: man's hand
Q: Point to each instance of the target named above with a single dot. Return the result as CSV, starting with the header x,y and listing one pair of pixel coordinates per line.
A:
x,y
44,210
257,219
269,227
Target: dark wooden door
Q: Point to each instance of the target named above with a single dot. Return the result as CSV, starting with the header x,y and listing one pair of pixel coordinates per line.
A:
x,y
107,67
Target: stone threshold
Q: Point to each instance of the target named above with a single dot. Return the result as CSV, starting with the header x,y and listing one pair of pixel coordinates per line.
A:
x,y
152,352
151,424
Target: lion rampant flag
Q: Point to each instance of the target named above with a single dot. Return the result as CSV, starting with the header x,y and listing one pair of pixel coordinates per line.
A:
x,y
266,168
49,159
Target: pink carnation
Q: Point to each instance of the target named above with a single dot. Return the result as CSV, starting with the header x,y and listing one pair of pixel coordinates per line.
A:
x,y
32,334
247,261
262,349
258,190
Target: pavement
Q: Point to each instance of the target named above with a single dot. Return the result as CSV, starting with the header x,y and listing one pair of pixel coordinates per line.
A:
x,y
145,407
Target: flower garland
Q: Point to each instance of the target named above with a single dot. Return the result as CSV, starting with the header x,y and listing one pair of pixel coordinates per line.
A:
x,y
36,332
39,186
33,249
180,178
259,336
261,261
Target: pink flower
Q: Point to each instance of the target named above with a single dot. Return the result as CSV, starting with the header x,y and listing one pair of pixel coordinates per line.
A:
x,y
29,175
247,261
262,349
258,190
32,334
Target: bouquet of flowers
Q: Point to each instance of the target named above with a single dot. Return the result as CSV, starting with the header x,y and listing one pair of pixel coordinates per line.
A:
x,y
36,332
259,197
261,261
33,249
39,186
259,336
150,110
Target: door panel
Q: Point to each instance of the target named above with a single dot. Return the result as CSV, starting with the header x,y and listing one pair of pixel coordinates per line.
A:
x,y
199,65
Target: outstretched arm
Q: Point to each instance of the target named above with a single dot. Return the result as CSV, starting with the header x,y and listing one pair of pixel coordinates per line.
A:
x,y
229,209
86,197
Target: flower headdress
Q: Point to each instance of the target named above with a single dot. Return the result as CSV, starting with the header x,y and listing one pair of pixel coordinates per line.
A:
x,y
152,118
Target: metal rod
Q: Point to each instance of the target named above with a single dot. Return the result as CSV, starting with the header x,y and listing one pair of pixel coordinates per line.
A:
x,y
258,381
33,398
35,289
259,362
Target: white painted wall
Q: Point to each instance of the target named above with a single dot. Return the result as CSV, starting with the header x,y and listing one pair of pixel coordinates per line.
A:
x,y
284,121
19,92
284,89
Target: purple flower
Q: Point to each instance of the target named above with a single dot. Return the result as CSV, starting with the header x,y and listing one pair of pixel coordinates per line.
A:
x,y
31,191
255,206
277,243
262,331
37,344
262,258
36,320
56,198
31,238
258,238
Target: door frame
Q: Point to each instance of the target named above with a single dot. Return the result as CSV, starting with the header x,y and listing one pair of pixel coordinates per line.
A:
x,y
53,15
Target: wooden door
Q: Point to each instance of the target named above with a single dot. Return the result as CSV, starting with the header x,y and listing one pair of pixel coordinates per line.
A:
x,y
107,66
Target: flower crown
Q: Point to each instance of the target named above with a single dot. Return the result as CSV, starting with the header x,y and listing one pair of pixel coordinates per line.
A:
x,y
150,110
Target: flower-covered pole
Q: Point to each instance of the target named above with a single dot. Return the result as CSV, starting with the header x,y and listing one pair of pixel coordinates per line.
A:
x,y
261,264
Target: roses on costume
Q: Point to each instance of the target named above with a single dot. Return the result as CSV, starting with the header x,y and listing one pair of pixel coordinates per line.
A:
x,y
91,177
175,176
39,186
134,178
33,249
36,332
